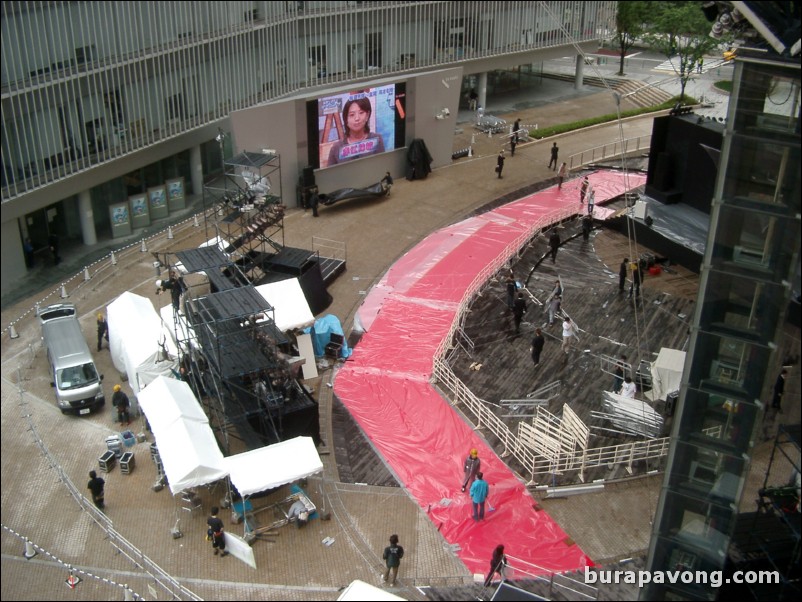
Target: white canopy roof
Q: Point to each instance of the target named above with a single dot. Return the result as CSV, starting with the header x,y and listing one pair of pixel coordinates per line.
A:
x,y
361,591
287,298
138,340
274,465
666,373
187,447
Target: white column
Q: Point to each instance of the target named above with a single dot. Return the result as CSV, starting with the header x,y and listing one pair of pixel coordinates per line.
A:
x,y
196,169
580,67
87,218
482,91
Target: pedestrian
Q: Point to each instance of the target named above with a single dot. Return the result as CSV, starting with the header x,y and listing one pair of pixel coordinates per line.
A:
x,y
176,287
471,468
619,374
512,286
557,290
27,248
779,389
497,563
583,190
699,65
628,389
554,308
216,532
636,279
554,243
554,153
518,311
52,242
537,346
561,174
622,274
102,331
96,485
473,100
500,162
591,201
513,142
314,201
120,401
478,492
587,226
515,127
569,332
392,556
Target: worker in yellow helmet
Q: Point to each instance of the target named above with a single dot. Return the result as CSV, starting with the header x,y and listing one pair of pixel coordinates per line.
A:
x,y
472,464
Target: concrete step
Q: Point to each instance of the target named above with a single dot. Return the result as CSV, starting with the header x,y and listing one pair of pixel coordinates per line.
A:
x,y
641,96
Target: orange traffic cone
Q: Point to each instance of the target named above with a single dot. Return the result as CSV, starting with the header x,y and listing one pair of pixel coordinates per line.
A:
x,y
72,581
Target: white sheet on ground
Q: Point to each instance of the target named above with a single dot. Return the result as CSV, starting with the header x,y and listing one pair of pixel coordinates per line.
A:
x,y
287,299
666,373
273,465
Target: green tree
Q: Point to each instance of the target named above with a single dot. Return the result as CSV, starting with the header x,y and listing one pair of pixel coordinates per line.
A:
x,y
630,24
680,31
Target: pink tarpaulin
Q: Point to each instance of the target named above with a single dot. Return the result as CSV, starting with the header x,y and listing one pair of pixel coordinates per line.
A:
x,y
385,384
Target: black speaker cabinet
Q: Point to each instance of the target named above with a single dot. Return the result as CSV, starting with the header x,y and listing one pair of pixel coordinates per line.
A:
x,y
308,177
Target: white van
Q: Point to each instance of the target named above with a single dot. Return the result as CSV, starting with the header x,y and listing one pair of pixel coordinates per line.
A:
x,y
74,376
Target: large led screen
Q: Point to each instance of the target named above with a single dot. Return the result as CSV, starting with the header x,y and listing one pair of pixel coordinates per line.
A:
x,y
356,124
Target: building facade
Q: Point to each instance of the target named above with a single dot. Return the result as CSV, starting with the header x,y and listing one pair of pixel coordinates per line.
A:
x,y
105,101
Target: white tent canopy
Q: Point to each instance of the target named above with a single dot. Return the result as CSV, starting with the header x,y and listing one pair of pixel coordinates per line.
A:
x,y
361,591
274,465
287,299
666,373
187,447
138,341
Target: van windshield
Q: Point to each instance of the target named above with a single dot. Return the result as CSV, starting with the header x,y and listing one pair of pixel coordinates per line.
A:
x,y
76,377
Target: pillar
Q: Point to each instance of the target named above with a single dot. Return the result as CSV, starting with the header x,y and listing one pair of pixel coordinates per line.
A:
x,y
196,169
580,67
87,216
482,91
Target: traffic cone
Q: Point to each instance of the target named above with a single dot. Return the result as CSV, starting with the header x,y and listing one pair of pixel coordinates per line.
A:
x,y
143,248
30,550
197,223
63,292
170,233
72,581
13,332
129,595
87,277
470,151
113,259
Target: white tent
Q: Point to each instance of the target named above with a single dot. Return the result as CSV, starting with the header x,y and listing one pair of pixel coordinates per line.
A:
x,y
287,299
138,341
666,373
361,591
187,447
274,465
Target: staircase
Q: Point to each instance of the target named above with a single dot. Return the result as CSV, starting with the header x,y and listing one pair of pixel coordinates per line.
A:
x,y
633,92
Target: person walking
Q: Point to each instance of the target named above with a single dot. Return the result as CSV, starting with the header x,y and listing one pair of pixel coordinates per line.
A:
x,y
554,243
555,151
471,468
392,556
176,287
120,401
779,389
515,127
569,332
636,280
27,248
216,531
497,563
478,492
561,174
622,274
554,308
587,226
591,201
500,162
102,331
513,142
473,99
583,190
518,311
537,346
512,286
96,486
618,374
628,389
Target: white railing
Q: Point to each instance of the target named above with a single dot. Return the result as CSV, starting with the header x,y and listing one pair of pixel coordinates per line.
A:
x,y
608,151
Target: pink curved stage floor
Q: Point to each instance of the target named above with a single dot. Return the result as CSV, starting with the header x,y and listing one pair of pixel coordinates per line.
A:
x,y
385,383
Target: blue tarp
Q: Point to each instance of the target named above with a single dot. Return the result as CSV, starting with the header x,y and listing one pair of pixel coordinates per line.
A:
x,y
321,335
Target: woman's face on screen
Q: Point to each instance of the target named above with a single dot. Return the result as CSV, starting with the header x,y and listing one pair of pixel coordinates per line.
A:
x,y
357,119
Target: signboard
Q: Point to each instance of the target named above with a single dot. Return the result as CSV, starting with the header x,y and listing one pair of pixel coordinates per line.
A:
x,y
120,217
176,195
140,211
157,195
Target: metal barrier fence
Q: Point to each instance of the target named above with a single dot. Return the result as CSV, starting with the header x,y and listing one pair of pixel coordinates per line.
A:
x,y
607,151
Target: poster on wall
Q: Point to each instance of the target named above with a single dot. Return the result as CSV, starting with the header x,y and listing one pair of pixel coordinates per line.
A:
x,y
140,212
176,198
120,217
157,195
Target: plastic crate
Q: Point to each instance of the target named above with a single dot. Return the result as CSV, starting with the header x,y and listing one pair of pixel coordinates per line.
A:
x,y
129,439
